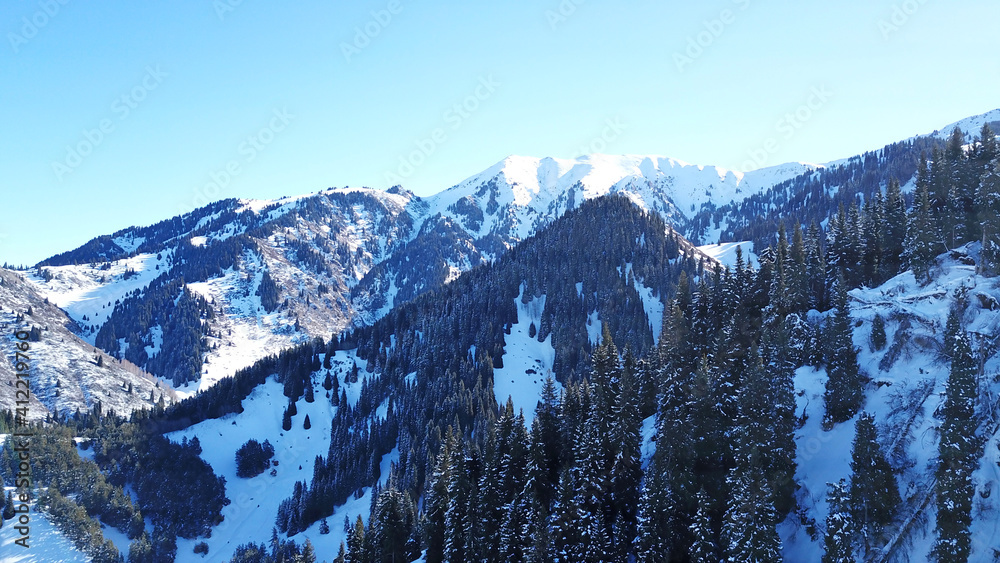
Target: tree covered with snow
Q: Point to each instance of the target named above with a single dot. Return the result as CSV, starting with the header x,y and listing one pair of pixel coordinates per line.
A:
x,y
958,456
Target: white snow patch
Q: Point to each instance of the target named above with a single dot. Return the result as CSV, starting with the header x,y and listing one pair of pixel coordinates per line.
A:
x,y
526,361
725,253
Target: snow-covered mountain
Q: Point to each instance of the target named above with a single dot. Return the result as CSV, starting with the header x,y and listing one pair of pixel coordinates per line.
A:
x,y
971,126
343,256
518,194
66,372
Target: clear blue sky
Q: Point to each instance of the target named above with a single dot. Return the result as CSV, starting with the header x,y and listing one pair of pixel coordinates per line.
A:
x,y
270,90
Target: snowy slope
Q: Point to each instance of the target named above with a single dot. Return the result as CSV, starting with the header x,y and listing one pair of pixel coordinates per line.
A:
x,y
725,253
63,367
251,515
909,378
46,543
971,126
526,361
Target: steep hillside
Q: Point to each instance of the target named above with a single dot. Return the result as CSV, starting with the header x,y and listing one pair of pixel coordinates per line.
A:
x,y
906,395
66,373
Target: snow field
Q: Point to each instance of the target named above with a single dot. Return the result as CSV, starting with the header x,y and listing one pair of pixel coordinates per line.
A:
x,y
526,361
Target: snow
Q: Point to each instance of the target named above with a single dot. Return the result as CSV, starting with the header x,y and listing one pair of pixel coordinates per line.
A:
x,y
80,291
651,304
533,191
971,126
46,543
129,242
903,399
255,501
526,361
245,333
725,253
648,433
595,332
117,537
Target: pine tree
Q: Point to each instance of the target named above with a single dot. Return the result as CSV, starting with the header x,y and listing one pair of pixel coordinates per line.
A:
x,y
564,525
8,507
141,550
962,191
894,230
656,521
704,547
515,535
988,205
874,494
958,453
458,519
356,543
923,234
748,528
546,448
437,500
844,385
626,467
839,526
816,267
878,332
390,526
590,484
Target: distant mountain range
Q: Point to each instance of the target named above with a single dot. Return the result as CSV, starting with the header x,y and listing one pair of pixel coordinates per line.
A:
x,y
343,257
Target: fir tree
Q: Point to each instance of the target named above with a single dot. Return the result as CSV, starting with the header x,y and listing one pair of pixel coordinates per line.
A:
x,y
844,385
988,205
839,526
390,526
878,332
922,232
656,519
437,500
565,527
704,547
356,543
874,494
748,528
958,453
894,232
8,507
